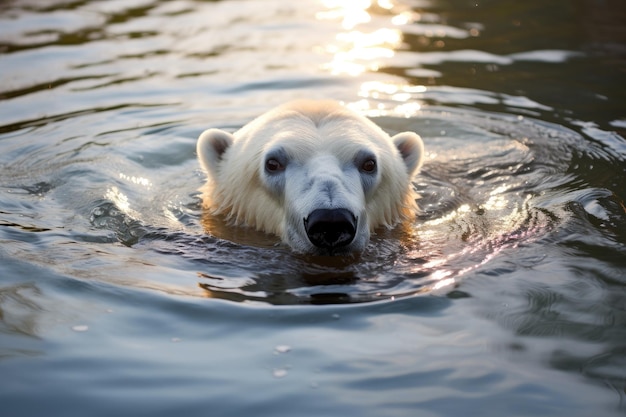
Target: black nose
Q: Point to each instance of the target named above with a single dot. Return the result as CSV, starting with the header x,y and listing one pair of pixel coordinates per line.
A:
x,y
330,228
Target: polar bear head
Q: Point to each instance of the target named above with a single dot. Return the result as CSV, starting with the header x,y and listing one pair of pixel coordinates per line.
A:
x,y
319,176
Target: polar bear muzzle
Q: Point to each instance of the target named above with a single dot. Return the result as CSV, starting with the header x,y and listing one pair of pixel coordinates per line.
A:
x,y
331,228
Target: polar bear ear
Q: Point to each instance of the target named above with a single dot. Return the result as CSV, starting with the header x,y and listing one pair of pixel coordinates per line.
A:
x,y
411,150
211,146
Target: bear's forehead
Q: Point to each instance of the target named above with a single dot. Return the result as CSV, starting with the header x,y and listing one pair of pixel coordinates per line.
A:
x,y
336,134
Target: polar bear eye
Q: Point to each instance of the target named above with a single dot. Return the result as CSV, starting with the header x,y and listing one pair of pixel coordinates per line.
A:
x,y
369,166
272,165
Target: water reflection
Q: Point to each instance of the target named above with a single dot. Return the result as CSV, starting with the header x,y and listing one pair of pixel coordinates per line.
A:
x,y
362,47
356,51
474,194
100,108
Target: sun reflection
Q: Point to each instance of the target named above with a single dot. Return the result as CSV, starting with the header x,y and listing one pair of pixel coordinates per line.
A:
x,y
370,38
404,18
465,208
404,99
371,88
357,51
120,200
351,12
443,283
496,202
136,180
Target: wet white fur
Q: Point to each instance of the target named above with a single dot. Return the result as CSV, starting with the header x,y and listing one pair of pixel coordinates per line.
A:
x,y
321,140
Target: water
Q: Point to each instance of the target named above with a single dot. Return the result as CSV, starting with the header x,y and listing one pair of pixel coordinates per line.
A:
x,y
506,297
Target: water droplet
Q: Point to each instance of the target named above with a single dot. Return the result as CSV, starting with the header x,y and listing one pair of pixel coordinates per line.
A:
x,y
282,349
336,316
80,328
279,373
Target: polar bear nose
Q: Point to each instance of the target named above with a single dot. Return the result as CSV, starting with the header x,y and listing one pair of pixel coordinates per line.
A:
x,y
330,228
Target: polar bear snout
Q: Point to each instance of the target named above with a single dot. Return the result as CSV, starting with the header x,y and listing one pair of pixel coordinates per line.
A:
x,y
331,228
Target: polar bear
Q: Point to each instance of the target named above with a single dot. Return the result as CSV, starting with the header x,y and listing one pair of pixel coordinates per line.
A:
x,y
314,173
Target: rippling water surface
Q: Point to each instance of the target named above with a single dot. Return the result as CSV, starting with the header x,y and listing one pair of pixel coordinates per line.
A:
x,y
507,296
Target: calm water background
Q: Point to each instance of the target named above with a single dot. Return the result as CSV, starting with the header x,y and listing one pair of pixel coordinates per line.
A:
x,y
506,297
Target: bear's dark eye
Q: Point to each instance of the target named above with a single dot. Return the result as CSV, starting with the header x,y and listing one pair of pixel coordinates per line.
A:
x,y
369,166
272,165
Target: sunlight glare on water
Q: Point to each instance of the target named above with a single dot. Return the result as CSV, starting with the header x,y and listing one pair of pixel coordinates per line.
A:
x,y
355,52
